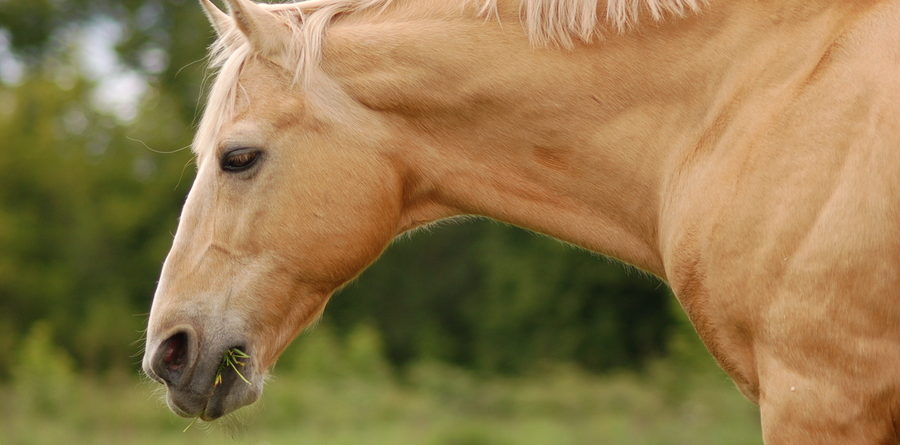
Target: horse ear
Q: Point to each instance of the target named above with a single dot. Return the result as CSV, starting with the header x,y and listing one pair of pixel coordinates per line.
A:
x,y
264,29
219,20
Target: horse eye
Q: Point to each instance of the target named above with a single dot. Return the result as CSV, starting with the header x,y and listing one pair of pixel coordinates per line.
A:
x,y
240,159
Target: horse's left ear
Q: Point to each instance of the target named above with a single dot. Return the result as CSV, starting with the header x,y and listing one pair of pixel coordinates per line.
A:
x,y
266,31
219,20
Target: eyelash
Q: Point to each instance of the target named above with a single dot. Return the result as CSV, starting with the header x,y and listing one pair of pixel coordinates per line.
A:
x,y
239,159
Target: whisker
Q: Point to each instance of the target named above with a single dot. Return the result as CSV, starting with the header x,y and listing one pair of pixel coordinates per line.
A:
x,y
186,164
155,150
188,65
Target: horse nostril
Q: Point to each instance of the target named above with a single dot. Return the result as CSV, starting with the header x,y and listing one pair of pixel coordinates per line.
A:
x,y
175,351
172,358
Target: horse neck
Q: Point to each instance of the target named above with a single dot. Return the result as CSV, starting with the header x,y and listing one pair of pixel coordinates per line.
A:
x,y
584,145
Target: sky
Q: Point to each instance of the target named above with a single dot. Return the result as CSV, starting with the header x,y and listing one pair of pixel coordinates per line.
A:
x,y
89,49
118,88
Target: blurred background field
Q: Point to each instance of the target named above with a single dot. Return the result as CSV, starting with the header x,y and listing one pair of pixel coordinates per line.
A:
x,y
330,392
468,333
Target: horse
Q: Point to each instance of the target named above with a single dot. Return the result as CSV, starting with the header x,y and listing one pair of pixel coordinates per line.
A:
x,y
745,152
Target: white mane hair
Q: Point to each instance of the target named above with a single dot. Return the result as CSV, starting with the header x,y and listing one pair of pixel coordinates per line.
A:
x,y
547,23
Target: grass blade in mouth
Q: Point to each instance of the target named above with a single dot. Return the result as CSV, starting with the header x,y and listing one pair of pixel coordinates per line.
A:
x,y
193,421
234,358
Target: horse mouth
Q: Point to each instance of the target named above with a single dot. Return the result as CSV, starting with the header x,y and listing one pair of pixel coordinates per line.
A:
x,y
228,390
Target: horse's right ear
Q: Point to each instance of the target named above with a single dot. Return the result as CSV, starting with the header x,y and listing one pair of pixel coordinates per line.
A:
x,y
219,20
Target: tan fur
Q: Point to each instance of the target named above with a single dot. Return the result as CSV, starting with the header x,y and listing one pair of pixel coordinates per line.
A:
x,y
748,155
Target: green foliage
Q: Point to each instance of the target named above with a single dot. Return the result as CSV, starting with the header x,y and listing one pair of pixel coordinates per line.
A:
x,y
43,375
81,230
107,334
365,353
316,354
500,299
322,356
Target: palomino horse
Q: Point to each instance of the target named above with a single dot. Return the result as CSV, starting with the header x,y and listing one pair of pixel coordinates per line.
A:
x,y
746,151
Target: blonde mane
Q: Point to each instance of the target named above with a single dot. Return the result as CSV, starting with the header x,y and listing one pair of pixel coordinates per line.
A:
x,y
547,23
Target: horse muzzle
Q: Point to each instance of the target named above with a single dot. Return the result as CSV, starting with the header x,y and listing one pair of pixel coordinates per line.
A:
x,y
202,379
